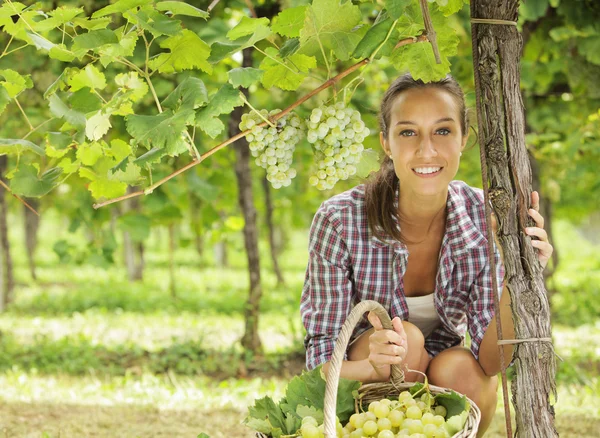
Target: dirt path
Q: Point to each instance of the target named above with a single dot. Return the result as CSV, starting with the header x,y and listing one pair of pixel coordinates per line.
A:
x,y
32,420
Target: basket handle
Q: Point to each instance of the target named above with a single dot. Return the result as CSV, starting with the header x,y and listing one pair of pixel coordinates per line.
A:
x,y
335,366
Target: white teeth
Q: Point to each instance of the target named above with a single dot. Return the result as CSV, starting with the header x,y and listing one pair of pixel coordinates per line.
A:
x,y
426,170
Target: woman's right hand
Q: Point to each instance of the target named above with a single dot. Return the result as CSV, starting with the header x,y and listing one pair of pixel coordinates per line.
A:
x,y
386,347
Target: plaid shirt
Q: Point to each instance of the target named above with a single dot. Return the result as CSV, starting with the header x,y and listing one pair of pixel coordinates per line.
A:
x,y
347,264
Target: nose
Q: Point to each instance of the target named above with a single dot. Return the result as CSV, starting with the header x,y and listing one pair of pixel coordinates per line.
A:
x,y
426,148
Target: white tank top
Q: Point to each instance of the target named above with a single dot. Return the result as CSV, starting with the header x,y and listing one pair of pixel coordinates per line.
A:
x,y
422,313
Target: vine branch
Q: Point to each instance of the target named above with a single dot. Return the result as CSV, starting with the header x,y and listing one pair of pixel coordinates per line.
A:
x,y
430,31
18,197
328,83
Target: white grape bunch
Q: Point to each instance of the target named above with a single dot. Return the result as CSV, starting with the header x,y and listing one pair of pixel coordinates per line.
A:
x,y
337,133
273,146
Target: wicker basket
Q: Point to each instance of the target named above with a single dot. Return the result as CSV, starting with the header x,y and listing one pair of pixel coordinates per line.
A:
x,y
375,391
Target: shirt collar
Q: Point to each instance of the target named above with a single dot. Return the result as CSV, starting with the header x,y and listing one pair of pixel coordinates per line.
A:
x,y
461,232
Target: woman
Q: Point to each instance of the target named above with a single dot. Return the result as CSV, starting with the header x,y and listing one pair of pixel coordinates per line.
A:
x,y
414,240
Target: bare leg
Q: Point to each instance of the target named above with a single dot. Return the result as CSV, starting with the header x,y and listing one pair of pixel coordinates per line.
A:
x,y
456,368
416,357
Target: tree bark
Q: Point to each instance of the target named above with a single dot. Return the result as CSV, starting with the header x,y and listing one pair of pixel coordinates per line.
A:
x,y
7,282
196,227
496,56
271,230
133,252
32,224
250,340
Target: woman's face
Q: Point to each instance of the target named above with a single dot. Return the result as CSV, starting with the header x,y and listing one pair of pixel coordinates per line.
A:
x,y
424,139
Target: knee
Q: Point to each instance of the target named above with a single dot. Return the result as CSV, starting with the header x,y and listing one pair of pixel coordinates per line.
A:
x,y
414,336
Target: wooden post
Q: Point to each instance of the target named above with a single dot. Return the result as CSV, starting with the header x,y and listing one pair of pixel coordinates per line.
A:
x,y
496,56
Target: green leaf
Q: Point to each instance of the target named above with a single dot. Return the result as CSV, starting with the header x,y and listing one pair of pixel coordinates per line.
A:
x,y
61,53
222,50
244,77
58,17
396,7
25,181
531,10
18,146
188,51
60,110
368,163
136,224
222,102
181,8
92,24
156,23
4,98
89,153
119,149
57,144
266,409
190,94
89,77
14,83
331,25
39,41
93,40
310,411
454,403
211,125
97,125
162,130
131,82
418,58
126,171
453,6
84,101
290,47
287,73
289,21
373,38
69,166
105,188
590,49
152,156
120,6
247,26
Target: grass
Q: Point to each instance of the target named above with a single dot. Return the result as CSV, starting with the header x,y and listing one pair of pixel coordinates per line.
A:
x,y
84,352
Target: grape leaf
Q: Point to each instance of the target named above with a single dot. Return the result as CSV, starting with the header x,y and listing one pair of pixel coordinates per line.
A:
x,y
14,82
89,77
38,41
221,50
60,110
120,6
154,22
453,402
531,10
290,47
244,77
131,82
590,49
310,411
190,94
210,124
161,130
126,171
89,153
17,146
58,17
92,24
152,156
247,26
396,7
25,181
188,51
368,163
331,25
93,40
286,74
266,409
69,166
106,188
61,53
452,6
289,21
119,149
4,98
97,125
373,38
57,144
181,8
418,58
136,224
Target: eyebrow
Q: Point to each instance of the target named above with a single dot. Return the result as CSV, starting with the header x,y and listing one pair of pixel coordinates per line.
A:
x,y
408,122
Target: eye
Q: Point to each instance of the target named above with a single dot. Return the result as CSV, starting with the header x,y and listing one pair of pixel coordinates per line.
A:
x,y
443,131
407,133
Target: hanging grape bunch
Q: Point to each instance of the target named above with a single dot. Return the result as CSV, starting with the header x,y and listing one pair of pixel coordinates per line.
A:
x,y
273,146
337,133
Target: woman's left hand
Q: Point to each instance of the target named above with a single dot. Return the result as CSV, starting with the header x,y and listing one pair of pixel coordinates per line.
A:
x,y
543,246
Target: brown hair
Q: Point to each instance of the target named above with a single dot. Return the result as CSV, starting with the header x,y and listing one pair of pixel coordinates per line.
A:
x,y
380,189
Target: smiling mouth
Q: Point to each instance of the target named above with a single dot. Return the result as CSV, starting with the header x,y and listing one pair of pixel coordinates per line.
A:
x,y
427,171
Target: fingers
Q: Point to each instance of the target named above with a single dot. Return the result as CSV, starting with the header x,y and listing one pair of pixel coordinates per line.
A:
x,y
538,218
379,360
388,350
535,201
375,321
540,233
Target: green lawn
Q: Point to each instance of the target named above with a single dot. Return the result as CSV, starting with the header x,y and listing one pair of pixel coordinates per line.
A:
x,y
86,353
